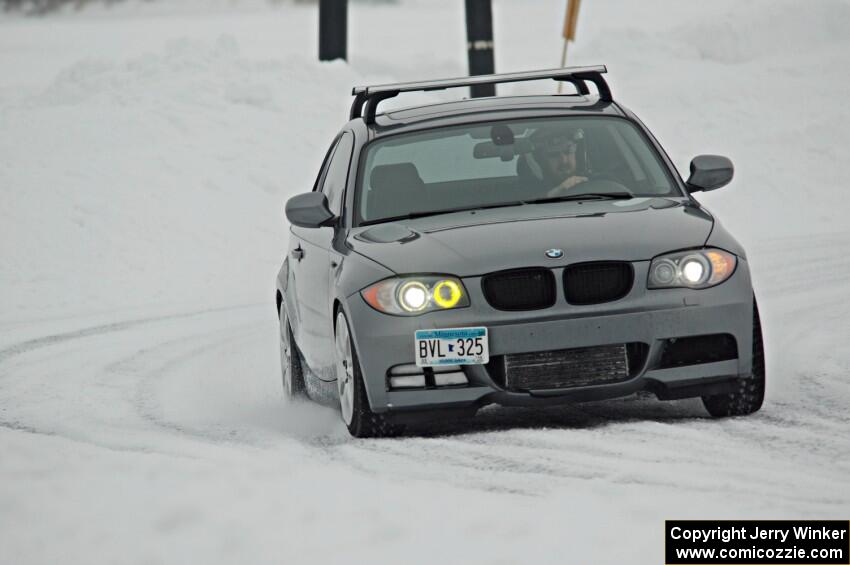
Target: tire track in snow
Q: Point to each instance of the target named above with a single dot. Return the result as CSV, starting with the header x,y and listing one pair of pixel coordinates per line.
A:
x,y
148,367
55,339
687,456
97,369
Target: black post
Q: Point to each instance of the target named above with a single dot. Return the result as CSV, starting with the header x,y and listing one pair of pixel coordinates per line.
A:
x,y
479,45
333,29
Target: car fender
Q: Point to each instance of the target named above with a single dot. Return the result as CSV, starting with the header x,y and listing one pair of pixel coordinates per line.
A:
x,y
721,238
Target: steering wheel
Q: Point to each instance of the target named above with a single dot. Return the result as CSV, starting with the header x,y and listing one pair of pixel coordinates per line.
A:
x,y
600,183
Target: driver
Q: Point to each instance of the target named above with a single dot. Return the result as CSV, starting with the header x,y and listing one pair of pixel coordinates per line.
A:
x,y
554,160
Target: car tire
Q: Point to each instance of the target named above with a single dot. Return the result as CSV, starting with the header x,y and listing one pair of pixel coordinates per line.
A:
x,y
355,410
292,373
750,394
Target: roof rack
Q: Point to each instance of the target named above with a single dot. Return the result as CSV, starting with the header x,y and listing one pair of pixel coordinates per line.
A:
x,y
371,96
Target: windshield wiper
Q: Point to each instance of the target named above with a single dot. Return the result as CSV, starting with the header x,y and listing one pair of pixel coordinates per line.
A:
x,y
584,196
414,215
563,198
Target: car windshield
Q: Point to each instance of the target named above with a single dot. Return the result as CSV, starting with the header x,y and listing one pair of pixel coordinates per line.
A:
x,y
507,163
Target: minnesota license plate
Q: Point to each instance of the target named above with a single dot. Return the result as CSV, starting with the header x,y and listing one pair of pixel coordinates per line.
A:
x,y
455,346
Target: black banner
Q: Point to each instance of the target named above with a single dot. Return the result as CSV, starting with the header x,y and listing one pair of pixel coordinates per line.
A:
x,y
757,542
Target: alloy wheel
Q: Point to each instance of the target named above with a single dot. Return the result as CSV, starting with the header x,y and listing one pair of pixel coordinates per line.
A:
x,y
344,369
285,354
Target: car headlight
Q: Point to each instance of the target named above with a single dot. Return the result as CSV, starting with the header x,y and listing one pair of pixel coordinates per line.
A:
x,y
698,268
412,296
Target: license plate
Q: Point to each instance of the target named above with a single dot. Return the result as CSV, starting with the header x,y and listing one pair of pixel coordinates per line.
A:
x,y
455,346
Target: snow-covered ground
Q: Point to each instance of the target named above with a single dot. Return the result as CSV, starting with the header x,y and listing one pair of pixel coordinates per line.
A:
x,y
146,151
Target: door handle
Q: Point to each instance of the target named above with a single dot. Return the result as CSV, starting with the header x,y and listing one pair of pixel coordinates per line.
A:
x,y
298,253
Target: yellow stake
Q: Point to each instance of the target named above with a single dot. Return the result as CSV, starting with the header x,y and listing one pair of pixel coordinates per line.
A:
x,y
569,32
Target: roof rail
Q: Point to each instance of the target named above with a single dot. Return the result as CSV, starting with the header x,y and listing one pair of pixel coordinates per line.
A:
x,y
370,96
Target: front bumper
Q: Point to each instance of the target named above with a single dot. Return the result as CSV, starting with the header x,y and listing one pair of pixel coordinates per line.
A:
x,y
651,317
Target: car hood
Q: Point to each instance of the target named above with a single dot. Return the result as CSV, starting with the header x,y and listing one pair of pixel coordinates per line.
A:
x,y
475,243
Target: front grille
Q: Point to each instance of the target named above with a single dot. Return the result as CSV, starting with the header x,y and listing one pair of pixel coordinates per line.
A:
x,y
564,368
521,289
594,283
683,351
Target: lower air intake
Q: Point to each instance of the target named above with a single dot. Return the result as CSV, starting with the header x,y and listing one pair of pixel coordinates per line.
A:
x,y
563,368
683,351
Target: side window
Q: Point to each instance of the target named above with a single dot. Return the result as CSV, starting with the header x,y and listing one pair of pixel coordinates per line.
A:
x,y
334,182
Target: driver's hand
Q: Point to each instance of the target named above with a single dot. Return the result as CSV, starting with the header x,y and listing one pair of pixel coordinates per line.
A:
x,y
566,185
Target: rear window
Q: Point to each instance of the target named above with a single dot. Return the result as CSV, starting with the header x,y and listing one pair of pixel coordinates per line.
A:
x,y
501,162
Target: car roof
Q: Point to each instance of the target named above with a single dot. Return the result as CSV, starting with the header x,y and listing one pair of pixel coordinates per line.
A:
x,y
488,109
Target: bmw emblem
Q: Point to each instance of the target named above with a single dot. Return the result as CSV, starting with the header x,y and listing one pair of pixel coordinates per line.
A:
x,y
554,253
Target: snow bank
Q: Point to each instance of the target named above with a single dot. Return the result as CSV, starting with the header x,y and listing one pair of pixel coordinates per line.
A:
x,y
159,179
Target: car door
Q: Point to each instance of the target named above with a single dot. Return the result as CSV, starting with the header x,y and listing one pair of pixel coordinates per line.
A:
x,y
295,297
313,259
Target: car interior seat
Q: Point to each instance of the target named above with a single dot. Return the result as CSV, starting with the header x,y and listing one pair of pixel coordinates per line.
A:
x,y
396,190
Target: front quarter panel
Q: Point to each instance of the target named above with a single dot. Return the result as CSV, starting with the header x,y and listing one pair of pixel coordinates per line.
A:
x,y
355,272
720,237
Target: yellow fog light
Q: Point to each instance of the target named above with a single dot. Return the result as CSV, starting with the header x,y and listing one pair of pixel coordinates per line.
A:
x,y
447,294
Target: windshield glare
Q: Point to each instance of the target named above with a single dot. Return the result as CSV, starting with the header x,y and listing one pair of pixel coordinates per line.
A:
x,y
489,164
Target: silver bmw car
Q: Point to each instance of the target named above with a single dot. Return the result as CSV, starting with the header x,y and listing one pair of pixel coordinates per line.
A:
x,y
522,251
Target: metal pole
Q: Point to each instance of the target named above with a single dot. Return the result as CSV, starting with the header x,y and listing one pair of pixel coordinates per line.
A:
x,y
479,46
333,29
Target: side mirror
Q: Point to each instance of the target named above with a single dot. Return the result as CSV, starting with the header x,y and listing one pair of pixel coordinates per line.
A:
x,y
709,172
309,210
